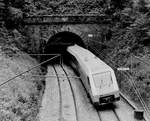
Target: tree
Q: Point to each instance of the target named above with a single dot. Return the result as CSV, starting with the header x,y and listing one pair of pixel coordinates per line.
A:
x,y
142,6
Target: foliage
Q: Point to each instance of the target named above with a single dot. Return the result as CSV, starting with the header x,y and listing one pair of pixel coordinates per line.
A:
x,y
20,98
69,7
142,6
131,37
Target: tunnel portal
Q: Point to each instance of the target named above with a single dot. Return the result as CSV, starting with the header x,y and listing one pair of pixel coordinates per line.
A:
x,y
60,41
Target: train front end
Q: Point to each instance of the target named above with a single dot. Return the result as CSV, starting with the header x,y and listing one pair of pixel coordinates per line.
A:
x,y
105,88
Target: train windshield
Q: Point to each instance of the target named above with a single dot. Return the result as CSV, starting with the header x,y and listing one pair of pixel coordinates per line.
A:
x,y
102,80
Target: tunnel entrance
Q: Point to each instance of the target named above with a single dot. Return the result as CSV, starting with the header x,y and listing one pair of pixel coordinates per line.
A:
x,y
60,41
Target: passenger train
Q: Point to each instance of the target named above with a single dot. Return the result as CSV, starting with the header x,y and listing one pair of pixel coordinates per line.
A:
x,y
98,78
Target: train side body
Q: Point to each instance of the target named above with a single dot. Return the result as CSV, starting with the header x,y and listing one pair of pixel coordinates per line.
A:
x,y
98,78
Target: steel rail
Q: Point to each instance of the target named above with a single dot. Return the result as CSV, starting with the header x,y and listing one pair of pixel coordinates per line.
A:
x,y
88,96
140,97
141,60
73,94
118,118
129,102
60,95
100,43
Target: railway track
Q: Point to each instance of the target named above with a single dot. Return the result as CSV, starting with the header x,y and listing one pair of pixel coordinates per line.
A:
x,y
123,97
64,83
92,111
105,113
74,104
60,95
143,105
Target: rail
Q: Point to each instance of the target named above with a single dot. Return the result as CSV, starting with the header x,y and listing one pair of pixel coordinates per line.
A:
x,y
60,95
132,104
73,93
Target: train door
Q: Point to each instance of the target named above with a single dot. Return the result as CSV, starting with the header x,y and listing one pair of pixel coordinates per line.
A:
x,y
88,83
84,77
74,64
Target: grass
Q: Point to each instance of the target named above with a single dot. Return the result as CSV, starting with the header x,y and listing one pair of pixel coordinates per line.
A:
x,y
20,99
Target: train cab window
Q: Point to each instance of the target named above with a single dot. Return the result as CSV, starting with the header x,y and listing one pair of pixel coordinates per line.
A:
x,y
88,80
74,60
102,80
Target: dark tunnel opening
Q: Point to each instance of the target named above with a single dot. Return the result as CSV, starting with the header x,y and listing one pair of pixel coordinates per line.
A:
x,y
59,42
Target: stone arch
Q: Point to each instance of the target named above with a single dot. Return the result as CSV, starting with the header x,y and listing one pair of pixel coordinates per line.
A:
x,y
60,40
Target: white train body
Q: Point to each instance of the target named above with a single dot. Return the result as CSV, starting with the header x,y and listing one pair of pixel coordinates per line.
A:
x,y
98,78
